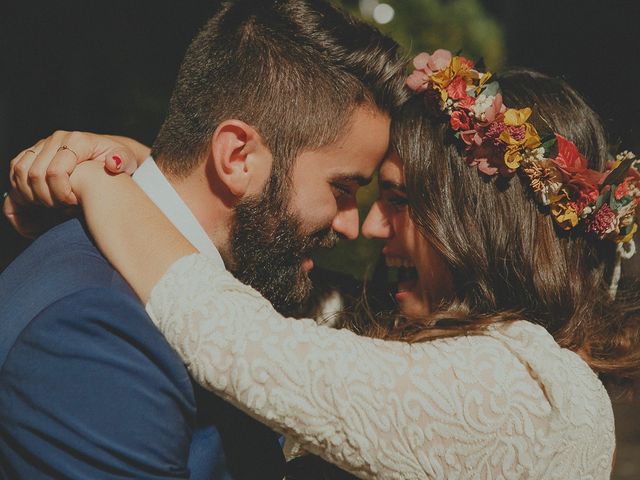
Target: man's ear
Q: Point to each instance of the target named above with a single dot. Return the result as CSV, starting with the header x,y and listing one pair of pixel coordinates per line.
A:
x,y
241,160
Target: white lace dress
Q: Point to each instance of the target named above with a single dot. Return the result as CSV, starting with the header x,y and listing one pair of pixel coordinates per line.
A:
x,y
508,404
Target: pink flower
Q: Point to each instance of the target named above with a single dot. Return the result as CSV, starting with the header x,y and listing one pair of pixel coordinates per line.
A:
x,y
418,81
484,166
495,130
496,108
471,137
486,158
432,63
460,120
517,133
602,222
457,89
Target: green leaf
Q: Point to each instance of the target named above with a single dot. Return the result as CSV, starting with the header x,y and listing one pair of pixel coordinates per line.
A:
x,y
548,144
491,89
619,173
603,198
613,203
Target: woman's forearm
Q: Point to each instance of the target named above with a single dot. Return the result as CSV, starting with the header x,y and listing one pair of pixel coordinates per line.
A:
x,y
129,229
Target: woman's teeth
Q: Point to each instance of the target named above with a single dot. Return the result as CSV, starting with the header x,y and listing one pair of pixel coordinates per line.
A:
x,y
397,262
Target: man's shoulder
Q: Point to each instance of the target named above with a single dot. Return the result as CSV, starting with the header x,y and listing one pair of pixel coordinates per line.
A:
x,y
61,286
60,261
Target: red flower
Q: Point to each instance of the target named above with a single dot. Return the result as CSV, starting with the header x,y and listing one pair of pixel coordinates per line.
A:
x,y
467,102
622,190
457,89
586,196
460,120
569,159
602,222
466,62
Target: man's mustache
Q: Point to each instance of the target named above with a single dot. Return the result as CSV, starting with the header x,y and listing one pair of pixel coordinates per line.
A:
x,y
325,238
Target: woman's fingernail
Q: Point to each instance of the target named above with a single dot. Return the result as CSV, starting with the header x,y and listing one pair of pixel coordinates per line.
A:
x,y
118,161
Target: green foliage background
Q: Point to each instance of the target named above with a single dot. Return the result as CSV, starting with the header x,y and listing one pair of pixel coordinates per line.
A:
x,y
419,25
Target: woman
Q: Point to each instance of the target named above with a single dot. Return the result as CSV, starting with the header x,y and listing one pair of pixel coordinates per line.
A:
x,y
491,369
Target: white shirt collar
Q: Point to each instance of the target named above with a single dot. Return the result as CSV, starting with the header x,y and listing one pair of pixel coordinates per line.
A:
x,y
149,177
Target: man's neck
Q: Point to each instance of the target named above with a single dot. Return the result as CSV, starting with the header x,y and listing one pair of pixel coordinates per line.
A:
x,y
208,209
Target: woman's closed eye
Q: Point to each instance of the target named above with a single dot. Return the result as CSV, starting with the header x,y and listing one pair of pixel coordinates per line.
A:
x,y
396,201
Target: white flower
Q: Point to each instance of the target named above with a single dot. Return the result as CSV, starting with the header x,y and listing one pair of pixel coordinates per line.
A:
x,y
483,102
535,154
625,155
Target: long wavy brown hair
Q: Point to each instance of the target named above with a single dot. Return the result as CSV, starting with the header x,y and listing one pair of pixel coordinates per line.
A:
x,y
508,259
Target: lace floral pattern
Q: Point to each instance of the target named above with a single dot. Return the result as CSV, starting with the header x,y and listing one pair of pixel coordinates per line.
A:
x,y
508,404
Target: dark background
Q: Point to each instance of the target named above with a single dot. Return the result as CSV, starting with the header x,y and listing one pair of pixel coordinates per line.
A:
x,y
109,67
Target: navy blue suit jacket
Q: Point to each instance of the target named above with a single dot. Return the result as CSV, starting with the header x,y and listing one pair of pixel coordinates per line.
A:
x,y
90,389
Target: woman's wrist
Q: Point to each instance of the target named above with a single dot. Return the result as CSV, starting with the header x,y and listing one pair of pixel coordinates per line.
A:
x,y
88,178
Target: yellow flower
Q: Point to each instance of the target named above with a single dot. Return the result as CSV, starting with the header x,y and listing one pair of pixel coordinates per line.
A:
x,y
563,213
516,118
531,137
545,179
513,156
455,68
528,139
517,145
443,94
483,79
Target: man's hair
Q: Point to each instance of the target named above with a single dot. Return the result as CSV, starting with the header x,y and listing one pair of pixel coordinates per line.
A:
x,y
293,69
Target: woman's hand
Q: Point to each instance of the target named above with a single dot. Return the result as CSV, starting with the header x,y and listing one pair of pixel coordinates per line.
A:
x,y
40,175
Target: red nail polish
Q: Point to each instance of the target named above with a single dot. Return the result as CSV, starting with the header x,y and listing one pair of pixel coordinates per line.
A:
x,y
117,160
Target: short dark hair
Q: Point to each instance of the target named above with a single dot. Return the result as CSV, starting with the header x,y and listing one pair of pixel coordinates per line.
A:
x,y
292,69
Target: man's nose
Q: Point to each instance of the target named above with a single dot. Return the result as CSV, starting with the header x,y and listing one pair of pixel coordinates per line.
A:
x,y
346,222
376,225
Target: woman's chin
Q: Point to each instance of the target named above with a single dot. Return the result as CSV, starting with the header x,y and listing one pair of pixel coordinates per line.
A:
x,y
410,302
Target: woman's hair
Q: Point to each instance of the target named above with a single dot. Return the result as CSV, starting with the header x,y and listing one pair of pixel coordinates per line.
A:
x,y
508,259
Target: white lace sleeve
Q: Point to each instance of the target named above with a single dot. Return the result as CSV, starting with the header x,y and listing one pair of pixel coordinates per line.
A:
x,y
455,408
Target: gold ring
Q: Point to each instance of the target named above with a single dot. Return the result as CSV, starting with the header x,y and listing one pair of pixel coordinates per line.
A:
x,y
30,150
64,147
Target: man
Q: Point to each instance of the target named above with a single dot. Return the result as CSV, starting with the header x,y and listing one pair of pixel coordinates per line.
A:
x,y
280,111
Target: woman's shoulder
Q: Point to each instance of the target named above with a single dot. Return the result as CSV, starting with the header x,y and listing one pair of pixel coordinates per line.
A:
x,y
517,383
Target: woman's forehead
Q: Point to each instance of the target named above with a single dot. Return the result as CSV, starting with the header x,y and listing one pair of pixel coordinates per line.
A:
x,y
391,169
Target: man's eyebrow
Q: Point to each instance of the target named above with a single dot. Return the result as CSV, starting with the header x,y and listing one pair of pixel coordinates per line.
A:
x,y
361,180
390,185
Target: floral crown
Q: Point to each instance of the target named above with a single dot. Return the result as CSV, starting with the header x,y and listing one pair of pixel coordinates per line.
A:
x,y
498,140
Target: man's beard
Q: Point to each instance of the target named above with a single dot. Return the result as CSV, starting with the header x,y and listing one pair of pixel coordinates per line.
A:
x,y
268,246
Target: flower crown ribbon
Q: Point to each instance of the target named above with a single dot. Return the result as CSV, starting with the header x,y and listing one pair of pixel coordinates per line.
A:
x,y
499,140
